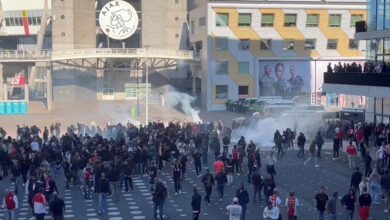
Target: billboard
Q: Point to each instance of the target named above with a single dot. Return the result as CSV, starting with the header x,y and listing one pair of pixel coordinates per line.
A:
x,y
284,78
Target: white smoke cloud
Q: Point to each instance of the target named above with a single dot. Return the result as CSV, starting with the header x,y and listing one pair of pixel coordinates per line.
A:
x,y
175,99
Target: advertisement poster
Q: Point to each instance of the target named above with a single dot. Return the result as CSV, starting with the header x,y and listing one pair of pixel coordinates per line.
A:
x,y
284,78
332,100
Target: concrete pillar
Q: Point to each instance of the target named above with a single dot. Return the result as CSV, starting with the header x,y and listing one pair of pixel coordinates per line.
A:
x,y
1,82
193,71
5,92
49,87
26,93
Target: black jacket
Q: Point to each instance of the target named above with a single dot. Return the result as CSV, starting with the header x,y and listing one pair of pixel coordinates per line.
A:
x,y
243,196
57,207
221,179
196,202
104,186
356,178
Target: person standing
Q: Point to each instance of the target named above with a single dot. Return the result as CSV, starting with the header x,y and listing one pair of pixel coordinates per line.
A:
x,y
301,145
257,181
319,142
218,165
364,204
348,201
268,188
229,169
197,162
57,207
367,164
276,201
351,152
177,176
270,212
331,206
208,182
10,202
103,190
221,180
336,148
356,178
159,193
113,176
292,204
270,162
39,204
320,203
50,187
243,199
196,204
235,210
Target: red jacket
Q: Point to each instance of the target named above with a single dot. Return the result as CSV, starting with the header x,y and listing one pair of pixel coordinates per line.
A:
x,y
9,200
351,150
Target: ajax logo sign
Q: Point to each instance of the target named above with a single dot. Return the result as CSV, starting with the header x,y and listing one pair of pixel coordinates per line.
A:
x,y
118,20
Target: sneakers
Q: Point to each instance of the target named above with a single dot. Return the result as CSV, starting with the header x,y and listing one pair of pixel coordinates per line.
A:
x,y
317,165
175,193
386,210
179,191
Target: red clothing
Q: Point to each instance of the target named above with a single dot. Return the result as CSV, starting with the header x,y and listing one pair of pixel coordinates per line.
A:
x,y
9,201
340,134
364,212
359,134
235,153
351,150
39,203
218,166
291,207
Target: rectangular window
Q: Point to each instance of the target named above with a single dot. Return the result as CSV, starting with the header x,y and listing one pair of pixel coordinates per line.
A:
x,y
192,27
11,21
222,43
290,20
34,21
387,14
38,20
266,44
310,44
243,67
222,67
243,91
334,20
202,21
380,16
332,44
221,92
312,20
244,20
222,20
245,44
29,21
355,18
288,45
267,20
7,22
353,44
20,21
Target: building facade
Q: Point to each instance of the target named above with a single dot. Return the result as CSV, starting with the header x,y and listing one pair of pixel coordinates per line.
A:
x,y
263,48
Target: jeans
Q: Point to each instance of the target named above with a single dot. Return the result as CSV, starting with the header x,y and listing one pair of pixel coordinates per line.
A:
x,y
257,191
11,214
102,202
87,188
220,191
195,215
321,215
301,153
243,206
40,216
349,214
128,181
351,161
375,192
177,184
114,190
158,205
208,193
198,168
332,216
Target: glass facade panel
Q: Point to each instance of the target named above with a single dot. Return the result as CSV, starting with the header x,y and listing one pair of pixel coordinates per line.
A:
x,y
371,8
222,20
243,67
386,46
380,14
387,14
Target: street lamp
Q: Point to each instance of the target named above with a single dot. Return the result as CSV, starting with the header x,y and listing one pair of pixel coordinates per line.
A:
x,y
147,87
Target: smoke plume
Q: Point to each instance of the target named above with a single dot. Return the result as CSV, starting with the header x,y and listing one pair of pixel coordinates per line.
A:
x,y
175,99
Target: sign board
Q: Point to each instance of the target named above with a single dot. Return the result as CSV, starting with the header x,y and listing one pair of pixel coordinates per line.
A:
x,y
131,90
118,19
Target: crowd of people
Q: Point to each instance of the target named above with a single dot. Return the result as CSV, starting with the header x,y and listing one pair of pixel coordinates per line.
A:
x,y
367,68
102,161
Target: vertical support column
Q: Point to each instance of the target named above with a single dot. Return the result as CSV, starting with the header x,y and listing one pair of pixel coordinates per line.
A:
x,y
5,92
147,93
193,70
49,87
1,83
26,93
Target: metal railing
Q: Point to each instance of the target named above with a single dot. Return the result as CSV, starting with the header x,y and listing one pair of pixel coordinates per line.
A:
x,y
56,55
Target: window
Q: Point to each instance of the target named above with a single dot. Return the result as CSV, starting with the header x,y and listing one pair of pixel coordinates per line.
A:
x,y
7,22
290,20
192,27
267,20
244,20
222,20
243,91
310,44
243,67
222,67
355,18
312,20
221,43
332,44
221,92
244,44
266,44
202,21
353,44
39,20
288,45
334,20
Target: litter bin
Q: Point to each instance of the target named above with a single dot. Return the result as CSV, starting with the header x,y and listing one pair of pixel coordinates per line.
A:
x,y
8,107
23,107
2,108
15,107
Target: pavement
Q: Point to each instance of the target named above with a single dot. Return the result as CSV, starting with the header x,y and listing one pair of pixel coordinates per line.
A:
x,y
292,175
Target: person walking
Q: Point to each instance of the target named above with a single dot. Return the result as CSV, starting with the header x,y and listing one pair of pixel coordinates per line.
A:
x,y
208,182
177,175
276,201
375,188
270,162
331,206
243,199
319,142
364,204
57,207
312,154
257,181
385,184
301,145
221,180
320,203
268,188
196,204
336,148
356,178
113,177
159,193
197,162
235,160
292,207
10,202
348,201
103,191
367,164
270,212
235,210
351,152
39,204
